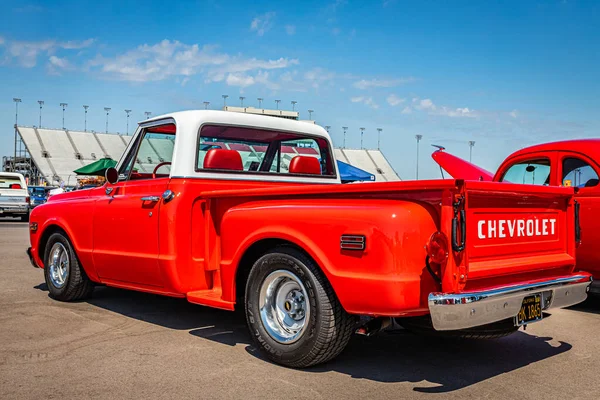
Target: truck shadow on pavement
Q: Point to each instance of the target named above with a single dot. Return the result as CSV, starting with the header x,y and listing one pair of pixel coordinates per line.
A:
x,y
435,365
591,305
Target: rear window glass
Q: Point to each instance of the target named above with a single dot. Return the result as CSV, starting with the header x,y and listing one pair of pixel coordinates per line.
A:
x,y
533,172
263,151
6,181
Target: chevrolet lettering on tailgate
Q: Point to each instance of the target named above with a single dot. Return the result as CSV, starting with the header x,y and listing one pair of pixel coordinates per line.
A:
x,y
503,228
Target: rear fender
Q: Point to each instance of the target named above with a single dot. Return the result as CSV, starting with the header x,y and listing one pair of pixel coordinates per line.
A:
x,y
388,276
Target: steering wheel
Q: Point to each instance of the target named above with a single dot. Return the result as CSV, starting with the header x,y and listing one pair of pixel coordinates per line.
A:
x,y
158,166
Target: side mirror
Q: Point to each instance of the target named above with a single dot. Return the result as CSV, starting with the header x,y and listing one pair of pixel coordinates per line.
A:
x,y
111,175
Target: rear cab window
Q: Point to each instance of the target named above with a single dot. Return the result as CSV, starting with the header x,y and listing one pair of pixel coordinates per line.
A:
x,y
261,151
10,182
533,172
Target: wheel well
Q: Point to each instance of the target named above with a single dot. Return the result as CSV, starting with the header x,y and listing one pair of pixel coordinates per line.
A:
x,y
252,254
45,236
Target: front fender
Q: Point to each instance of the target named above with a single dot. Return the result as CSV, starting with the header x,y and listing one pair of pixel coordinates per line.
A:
x,y
75,219
385,279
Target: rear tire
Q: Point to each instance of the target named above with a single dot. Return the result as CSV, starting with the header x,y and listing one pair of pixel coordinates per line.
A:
x,y
65,277
423,326
292,311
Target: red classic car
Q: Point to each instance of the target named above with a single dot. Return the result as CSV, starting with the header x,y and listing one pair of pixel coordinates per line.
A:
x,y
570,163
235,210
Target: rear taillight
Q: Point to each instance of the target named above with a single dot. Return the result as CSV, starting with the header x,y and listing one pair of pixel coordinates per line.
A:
x,y
27,199
437,248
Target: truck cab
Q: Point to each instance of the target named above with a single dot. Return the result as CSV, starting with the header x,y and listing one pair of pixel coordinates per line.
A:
x,y
240,211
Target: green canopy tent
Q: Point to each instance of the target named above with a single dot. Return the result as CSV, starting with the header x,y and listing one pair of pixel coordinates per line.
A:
x,y
97,168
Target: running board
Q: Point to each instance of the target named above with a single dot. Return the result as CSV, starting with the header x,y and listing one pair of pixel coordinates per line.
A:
x,y
210,298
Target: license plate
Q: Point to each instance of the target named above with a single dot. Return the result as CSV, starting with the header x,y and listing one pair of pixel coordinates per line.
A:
x,y
531,310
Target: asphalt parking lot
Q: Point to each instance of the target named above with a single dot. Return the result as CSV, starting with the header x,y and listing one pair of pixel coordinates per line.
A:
x,y
123,344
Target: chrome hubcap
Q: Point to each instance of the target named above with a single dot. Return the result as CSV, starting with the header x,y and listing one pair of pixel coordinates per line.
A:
x,y
284,306
59,265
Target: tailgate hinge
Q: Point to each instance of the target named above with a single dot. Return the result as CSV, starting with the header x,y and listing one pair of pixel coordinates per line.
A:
x,y
457,245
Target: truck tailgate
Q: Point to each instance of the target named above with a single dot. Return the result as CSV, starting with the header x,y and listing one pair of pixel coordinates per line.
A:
x,y
514,229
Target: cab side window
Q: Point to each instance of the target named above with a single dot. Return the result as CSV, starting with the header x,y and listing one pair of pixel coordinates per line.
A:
x,y
578,173
533,172
151,156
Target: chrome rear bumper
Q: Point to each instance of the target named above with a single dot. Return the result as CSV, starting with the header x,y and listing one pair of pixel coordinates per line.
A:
x,y
470,309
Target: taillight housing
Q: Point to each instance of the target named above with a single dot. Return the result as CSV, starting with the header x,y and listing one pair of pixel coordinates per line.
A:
x,y
27,199
437,248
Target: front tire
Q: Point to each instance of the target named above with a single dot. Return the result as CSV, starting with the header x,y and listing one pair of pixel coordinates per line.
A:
x,y
293,314
65,278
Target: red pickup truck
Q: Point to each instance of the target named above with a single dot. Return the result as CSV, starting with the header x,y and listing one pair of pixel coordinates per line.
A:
x,y
235,210
570,163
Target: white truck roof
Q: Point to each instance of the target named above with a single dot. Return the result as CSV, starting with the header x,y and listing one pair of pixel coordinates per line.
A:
x,y
188,126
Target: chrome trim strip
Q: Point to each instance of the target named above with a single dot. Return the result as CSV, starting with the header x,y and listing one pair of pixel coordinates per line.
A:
x,y
451,311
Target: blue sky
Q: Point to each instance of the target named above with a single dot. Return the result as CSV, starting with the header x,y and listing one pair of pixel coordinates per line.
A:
x,y
504,74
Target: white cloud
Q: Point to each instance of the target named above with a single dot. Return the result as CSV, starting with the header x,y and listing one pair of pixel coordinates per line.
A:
x,y
237,79
368,101
514,113
336,31
170,59
59,62
26,53
432,109
290,29
457,112
394,100
364,84
425,104
407,110
262,23
317,76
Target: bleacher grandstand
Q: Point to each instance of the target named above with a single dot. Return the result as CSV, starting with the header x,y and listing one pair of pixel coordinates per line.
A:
x,y
58,152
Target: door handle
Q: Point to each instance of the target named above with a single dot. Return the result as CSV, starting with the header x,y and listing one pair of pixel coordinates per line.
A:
x,y
150,198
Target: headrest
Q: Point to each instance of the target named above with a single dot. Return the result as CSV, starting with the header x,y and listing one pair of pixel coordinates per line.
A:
x,y
15,186
223,159
305,165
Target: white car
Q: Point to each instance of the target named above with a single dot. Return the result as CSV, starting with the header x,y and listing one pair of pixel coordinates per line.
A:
x,y
14,197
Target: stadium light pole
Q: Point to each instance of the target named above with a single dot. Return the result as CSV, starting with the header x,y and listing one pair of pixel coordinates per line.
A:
x,y
17,101
260,100
206,103
362,131
63,105
242,101
107,109
127,130
345,128
224,96
147,114
85,118
418,137
277,102
41,103
379,138
310,114
471,144
294,105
